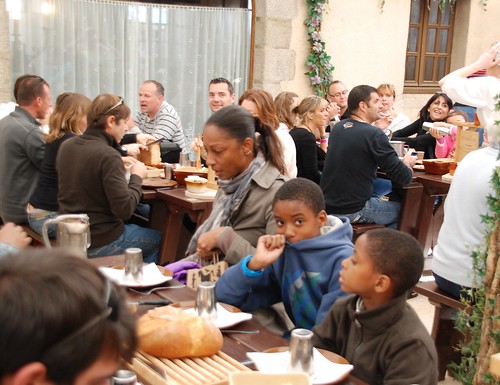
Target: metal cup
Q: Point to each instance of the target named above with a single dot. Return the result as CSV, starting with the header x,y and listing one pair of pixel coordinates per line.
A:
x,y
124,377
133,264
206,303
301,352
167,169
184,159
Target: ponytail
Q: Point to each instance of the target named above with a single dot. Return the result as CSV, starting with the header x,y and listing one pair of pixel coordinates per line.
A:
x,y
270,145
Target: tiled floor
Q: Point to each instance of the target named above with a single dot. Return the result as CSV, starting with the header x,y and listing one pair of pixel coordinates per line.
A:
x,y
426,313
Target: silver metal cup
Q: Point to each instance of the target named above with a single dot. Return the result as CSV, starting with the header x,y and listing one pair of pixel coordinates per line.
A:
x,y
301,352
206,303
167,169
124,377
184,159
133,264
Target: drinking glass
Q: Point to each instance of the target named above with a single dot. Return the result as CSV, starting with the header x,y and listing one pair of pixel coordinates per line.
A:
x,y
206,303
301,351
133,264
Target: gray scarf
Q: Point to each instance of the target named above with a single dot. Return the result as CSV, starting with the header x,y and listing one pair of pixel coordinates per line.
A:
x,y
234,192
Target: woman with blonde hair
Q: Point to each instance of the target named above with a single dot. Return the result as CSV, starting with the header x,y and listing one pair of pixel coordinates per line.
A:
x,y
313,117
390,120
260,105
68,119
285,103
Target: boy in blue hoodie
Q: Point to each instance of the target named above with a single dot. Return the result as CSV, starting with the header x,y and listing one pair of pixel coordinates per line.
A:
x,y
300,265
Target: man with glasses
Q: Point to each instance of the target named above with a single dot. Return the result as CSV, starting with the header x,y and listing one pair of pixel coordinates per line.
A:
x,y
337,94
22,147
62,321
157,117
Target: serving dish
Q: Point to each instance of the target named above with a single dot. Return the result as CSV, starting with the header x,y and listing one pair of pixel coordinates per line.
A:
x,y
182,172
437,166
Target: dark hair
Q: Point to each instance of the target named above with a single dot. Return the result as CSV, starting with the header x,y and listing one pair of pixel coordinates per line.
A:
x,y
105,105
29,87
59,310
303,190
223,80
265,106
397,255
18,82
285,108
461,113
239,124
358,94
159,87
424,115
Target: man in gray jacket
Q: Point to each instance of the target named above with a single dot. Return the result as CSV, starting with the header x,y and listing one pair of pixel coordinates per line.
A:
x,y
22,147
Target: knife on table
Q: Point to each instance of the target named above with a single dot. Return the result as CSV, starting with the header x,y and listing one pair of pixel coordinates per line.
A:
x,y
153,142
152,302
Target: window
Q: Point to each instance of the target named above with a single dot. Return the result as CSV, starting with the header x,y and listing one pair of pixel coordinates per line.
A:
x,y
428,51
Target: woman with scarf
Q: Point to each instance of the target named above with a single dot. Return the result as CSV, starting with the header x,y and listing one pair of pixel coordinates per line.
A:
x,y
250,169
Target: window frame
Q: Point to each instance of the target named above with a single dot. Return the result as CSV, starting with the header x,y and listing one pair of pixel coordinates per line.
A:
x,y
420,85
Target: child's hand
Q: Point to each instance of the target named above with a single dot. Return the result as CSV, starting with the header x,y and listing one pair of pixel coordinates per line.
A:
x,y
269,249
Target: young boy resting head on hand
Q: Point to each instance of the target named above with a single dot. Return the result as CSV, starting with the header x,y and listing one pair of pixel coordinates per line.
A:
x,y
376,330
300,265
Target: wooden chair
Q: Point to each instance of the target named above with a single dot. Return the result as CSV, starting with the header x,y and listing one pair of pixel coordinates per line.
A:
x,y
444,334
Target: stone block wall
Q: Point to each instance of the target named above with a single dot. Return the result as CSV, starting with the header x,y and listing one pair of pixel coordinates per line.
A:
x,y
5,81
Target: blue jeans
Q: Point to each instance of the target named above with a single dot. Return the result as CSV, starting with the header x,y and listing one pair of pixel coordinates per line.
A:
x,y
454,289
148,240
378,211
36,223
381,187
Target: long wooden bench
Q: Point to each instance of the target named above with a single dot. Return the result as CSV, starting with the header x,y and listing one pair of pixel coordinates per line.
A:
x,y
444,334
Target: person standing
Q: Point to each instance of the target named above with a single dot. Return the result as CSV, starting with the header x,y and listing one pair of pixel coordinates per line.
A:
x,y
22,147
157,117
356,149
92,181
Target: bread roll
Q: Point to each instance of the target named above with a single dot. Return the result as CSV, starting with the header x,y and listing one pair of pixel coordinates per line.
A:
x,y
170,332
152,156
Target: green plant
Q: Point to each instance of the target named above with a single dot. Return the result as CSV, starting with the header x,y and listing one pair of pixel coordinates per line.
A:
x,y
319,68
482,324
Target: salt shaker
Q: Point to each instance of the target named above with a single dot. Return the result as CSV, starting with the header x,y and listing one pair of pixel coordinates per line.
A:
x,y
133,264
301,351
206,303
124,377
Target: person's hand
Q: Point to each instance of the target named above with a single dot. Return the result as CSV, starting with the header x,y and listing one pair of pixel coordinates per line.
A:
x,y
134,149
488,58
333,110
207,243
197,144
269,249
144,138
128,161
15,235
435,133
409,160
139,168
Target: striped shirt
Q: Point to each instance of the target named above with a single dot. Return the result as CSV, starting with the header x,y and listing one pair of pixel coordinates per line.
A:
x,y
166,124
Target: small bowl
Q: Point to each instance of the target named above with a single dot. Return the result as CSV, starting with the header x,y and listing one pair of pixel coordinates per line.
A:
x,y
437,166
195,183
182,172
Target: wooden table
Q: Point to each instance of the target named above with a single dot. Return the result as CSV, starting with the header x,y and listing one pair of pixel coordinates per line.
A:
x,y
177,204
235,345
168,206
434,186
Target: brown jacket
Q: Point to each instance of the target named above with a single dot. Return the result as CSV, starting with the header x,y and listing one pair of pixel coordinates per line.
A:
x,y
254,216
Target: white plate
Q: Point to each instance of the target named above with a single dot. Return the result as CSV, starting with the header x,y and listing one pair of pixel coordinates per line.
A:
x,y
151,276
325,371
226,318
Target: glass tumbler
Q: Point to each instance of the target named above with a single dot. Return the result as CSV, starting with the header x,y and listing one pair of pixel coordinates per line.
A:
x,y
301,351
133,264
206,303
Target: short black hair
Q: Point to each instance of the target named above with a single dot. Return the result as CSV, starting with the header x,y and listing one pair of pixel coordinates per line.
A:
x,y
397,255
358,94
223,80
303,190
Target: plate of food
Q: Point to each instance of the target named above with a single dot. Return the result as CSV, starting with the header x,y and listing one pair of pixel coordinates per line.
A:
x,y
152,275
329,368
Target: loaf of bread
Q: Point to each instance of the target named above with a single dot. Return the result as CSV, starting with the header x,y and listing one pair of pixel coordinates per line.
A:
x,y
152,156
169,332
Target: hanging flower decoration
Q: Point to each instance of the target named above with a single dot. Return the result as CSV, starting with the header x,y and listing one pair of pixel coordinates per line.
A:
x,y
319,69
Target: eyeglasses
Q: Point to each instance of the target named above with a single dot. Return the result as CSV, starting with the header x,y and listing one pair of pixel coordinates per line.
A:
x,y
339,94
120,102
106,313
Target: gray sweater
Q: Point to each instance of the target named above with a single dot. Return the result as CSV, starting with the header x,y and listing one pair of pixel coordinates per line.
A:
x,y
21,154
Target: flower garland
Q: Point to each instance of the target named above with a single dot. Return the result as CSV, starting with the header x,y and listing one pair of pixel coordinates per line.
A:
x,y
319,69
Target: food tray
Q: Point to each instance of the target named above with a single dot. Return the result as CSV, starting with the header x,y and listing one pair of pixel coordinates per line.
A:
x,y
211,370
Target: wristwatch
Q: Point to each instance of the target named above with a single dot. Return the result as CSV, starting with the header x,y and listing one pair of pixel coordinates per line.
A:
x,y
123,150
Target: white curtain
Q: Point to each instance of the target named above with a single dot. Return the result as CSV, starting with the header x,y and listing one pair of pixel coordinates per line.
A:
x,y
95,47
